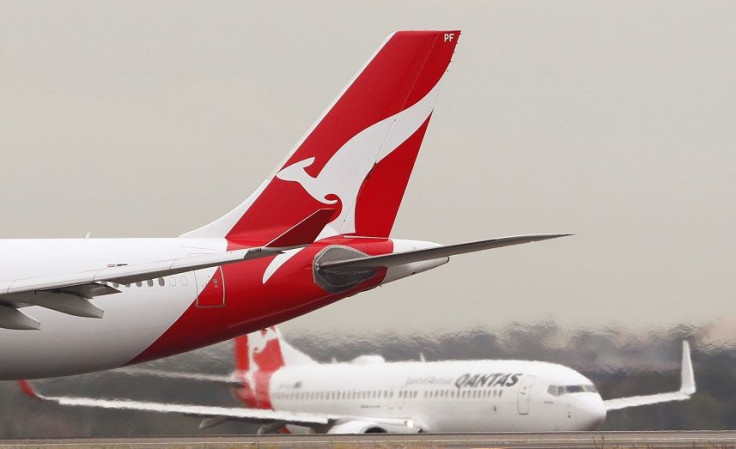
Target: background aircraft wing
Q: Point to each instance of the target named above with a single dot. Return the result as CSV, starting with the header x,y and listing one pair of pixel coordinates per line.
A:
x,y
70,293
687,388
203,411
270,420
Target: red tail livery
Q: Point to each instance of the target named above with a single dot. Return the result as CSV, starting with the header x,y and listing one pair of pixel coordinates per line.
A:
x,y
314,232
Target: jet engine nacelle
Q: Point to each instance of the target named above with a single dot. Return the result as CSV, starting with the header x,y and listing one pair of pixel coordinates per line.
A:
x,y
343,278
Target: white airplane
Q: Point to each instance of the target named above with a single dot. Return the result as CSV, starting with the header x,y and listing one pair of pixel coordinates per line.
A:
x,y
283,387
314,232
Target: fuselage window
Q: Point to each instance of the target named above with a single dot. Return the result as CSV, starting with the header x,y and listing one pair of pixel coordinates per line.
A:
x,y
161,282
172,281
150,282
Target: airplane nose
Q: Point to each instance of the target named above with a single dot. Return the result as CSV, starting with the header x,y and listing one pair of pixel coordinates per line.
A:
x,y
592,412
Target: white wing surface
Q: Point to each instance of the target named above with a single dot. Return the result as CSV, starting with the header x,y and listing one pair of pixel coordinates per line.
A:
x,y
203,411
270,420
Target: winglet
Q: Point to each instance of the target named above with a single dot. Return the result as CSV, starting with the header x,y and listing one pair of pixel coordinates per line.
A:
x,y
687,388
687,377
28,390
304,232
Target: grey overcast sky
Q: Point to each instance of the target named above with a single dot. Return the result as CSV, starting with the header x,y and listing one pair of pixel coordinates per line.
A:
x,y
612,120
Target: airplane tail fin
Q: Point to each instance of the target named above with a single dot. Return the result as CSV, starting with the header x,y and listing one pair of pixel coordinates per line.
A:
x,y
357,158
265,350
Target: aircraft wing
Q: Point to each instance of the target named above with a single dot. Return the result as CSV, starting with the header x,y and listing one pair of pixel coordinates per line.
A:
x,y
390,260
70,293
687,388
270,420
202,411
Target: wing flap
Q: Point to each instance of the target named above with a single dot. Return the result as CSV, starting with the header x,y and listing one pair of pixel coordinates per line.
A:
x,y
12,318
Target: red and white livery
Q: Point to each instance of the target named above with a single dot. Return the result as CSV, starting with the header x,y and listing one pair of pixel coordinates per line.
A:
x,y
314,232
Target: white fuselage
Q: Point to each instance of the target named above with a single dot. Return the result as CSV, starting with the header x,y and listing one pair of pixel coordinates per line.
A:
x,y
449,396
161,316
132,321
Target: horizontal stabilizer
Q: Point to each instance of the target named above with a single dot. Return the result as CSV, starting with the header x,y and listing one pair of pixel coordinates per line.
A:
x,y
391,260
305,232
687,388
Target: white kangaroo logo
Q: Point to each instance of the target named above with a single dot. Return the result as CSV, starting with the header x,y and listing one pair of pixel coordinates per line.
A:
x,y
344,173
296,172
257,341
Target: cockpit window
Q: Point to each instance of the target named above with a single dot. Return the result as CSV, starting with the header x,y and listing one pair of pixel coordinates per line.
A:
x,y
559,390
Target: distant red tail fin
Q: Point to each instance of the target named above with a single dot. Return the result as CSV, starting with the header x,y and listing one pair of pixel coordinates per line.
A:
x,y
257,356
259,351
359,155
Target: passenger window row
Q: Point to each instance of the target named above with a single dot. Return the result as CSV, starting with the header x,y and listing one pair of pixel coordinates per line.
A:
x,y
472,394
338,395
161,282
386,394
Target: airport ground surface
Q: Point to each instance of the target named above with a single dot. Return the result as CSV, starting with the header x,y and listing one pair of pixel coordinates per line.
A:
x,y
597,440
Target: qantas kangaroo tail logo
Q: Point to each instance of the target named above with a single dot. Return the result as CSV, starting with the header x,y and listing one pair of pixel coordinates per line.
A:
x,y
359,155
257,357
259,351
